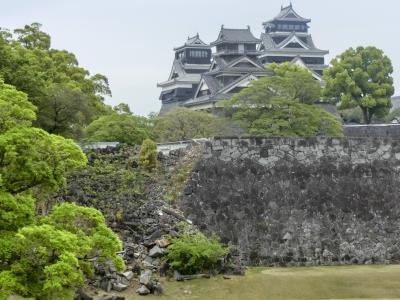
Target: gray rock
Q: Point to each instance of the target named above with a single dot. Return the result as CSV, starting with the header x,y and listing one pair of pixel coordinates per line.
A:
x,y
143,290
156,251
119,287
145,277
82,295
157,289
105,284
128,275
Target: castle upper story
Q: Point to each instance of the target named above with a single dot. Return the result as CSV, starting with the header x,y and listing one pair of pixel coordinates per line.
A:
x,y
199,78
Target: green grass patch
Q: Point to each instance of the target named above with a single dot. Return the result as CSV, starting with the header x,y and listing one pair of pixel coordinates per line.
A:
x,y
347,282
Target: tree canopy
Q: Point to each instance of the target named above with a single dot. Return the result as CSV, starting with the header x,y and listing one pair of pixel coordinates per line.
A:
x,y
184,124
361,77
15,109
120,126
43,257
52,79
294,83
270,107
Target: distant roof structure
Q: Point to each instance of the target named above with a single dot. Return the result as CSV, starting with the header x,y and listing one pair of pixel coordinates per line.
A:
x,y
288,14
193,42
395,102
229,35
99,145
305,41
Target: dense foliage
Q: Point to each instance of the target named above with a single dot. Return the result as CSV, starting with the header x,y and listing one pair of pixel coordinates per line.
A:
x,y
147,157
361,77
195,253
120,126
43,257
270,107
294,83
184,124
66,95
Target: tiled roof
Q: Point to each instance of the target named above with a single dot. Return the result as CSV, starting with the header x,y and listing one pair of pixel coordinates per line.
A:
x,y
194,41
288,14
235,36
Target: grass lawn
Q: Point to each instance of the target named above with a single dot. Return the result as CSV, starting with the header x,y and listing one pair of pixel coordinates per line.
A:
x,y
345,282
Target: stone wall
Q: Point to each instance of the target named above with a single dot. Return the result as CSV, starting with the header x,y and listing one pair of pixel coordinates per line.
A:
x,y
300,201
373,130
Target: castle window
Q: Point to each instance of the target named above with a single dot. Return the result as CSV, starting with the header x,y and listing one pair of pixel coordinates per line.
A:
x,y
198,53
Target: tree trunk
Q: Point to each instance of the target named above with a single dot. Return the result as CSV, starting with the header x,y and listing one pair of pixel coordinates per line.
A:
x,y
366,116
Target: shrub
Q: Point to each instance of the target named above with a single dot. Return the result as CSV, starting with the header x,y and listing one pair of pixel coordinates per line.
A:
x,y
194,253
148,155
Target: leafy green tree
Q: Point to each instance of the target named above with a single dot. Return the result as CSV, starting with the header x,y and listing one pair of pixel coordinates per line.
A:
x,y
361,77
148,155
28,62
352,115
32,37
195,253
45,258
262,109
122,108
294,83
184,124
120,126
53,257
15,109
64,111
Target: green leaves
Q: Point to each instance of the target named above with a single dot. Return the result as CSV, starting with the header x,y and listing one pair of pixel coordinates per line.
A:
x,y
272,107
15,211
361,77
15,109
147,157
44,258
50,257
294,82
194,253
33,158
120,127
67,97
184,124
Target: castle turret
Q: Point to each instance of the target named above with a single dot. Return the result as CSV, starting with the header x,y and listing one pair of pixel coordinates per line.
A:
x,y
190,61
286,39
234,66
232,43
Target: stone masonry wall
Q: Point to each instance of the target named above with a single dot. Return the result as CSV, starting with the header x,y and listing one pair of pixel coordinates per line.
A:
x,y
300,201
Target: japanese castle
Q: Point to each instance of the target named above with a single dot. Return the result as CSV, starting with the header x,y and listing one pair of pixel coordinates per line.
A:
x,y
200,78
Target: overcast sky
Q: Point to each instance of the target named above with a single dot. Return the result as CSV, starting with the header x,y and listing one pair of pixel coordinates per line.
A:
x,y
131,41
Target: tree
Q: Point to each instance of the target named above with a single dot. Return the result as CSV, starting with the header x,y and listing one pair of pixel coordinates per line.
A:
x,y
120,126
15,109
148,155
32,37
194,253
183,124
264,109
45,258
122,108
28,62
294,83
64,111
361,77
